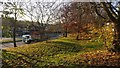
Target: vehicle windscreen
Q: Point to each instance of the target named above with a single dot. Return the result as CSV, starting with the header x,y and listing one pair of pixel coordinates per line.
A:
x,y
26,33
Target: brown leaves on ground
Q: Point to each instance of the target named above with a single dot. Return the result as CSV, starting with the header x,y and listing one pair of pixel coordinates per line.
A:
x,y
101,58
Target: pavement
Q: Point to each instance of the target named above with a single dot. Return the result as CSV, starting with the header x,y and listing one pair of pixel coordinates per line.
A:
x,y
9,45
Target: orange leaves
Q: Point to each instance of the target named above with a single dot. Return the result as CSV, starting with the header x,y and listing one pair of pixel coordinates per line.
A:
x,y
62,51
102,58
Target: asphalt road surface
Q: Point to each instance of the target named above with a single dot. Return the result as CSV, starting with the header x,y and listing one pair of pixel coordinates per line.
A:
x,y
8,45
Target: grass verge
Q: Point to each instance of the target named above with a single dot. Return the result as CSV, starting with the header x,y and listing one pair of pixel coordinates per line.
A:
x,y
62,52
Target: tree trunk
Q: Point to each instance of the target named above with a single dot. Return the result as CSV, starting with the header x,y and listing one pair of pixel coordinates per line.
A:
x,y
116,41
14,32
77,38
65,33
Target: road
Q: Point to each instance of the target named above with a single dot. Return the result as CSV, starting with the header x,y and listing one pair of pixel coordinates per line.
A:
x,y
9,45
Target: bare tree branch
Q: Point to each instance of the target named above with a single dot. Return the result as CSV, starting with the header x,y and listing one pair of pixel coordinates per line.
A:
x,y
108,12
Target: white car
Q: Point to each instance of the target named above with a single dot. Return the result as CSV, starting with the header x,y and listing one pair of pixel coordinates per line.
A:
x,y
26,38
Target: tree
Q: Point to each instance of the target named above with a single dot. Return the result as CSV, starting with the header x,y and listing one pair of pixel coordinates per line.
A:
x,y
113,12
41,14
7,26
77,16
15,9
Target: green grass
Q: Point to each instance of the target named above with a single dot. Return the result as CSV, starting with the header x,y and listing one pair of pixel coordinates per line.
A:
x,y
60,52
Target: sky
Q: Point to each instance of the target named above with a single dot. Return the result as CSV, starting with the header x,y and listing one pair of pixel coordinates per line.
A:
x,y
25,17
55,0
32,1
1,8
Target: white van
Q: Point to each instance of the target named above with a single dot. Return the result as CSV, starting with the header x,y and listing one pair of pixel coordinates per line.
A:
x,y
26,38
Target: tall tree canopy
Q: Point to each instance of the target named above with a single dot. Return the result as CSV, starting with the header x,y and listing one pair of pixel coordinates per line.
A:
x,y
78,16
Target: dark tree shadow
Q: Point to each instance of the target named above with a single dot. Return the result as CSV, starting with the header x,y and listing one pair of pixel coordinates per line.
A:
x,y
71,47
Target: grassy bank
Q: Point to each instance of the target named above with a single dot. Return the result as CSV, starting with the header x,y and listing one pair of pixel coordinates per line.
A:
x,y
62,52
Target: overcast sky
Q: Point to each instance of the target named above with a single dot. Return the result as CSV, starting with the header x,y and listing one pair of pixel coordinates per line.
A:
x,y
32,2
